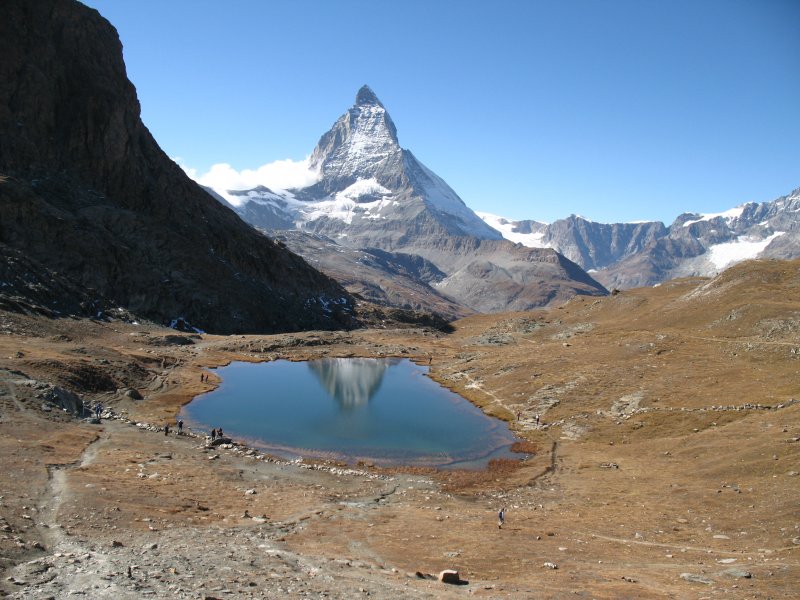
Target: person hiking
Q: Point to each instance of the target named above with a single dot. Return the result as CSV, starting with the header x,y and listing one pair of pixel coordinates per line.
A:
x,y
180,426
501,517
166,429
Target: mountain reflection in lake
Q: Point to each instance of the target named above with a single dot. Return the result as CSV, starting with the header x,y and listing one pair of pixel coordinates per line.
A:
x,y
384,411
351,381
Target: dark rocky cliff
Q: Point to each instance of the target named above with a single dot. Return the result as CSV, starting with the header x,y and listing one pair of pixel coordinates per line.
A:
x,y
87,194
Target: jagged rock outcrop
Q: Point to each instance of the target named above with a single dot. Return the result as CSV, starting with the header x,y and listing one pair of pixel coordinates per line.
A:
x,y
374,196
705,245
87,194
597,245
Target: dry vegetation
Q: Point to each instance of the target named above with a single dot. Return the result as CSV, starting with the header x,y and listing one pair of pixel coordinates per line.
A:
x,y
666,459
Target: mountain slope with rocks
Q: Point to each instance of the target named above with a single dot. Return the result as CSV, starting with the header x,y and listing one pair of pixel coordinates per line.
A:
x,y
371,194
664,424
87,195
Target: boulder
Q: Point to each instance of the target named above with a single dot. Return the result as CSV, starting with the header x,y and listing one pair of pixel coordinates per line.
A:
x,y
449,576
66,399
738,573
694,578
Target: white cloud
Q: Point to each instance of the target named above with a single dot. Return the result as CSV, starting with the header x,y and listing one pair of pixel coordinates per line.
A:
x,y
277,175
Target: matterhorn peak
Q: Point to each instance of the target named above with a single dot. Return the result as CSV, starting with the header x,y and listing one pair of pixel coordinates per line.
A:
x,y
366,97
362,144
360,159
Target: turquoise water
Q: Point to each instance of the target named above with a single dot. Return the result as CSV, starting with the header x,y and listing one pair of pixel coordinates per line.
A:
x,y
385,411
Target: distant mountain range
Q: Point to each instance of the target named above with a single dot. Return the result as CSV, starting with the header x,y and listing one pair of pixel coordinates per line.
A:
x,y
394,232
624,255
391,230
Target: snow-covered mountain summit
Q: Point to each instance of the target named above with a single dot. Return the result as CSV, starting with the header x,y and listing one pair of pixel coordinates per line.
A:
x,y
374,196
361,145
369,191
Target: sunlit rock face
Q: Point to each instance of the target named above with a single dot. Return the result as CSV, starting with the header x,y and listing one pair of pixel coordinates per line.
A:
x,y
351,381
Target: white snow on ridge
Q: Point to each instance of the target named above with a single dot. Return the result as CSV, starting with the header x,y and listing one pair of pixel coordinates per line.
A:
x,y
728,215
443,198
344,205
506,229
362,187
744,248
275,197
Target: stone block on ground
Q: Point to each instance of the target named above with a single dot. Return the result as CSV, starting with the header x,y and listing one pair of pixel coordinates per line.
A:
x,y
449,576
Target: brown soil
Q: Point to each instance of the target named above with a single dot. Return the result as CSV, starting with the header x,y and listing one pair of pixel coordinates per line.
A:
x,y
668,445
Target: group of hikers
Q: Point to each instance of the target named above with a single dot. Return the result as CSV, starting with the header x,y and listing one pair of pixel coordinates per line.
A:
x,y
519,417
180,428
215,433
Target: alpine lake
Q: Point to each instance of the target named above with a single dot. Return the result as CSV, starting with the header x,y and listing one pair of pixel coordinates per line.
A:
x,y
385,412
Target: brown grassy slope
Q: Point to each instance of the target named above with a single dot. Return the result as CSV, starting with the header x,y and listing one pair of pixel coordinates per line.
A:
x,y
655,460
689,343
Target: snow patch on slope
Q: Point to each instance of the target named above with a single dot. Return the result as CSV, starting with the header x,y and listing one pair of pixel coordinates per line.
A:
x,y
743,248
361,188
440,196
506,229
348,203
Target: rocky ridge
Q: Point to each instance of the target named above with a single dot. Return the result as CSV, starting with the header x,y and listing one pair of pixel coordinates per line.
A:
x,y
88,196
625,255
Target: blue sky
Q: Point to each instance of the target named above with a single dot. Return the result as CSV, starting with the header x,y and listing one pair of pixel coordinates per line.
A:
x,y
615,110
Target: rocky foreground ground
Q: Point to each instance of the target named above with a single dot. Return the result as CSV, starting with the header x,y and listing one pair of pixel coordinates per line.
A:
x,y
666,464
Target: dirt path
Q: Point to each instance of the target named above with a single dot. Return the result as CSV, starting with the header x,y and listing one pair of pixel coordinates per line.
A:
x,y
55,493
743,342
8,379
675,547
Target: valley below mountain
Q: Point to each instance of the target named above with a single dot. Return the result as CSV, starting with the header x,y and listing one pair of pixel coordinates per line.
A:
x,y
658,426
665,464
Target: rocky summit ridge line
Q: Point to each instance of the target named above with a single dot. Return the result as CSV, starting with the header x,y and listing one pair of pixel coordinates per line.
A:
x,y
94,215
626,255
360,159
374,196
